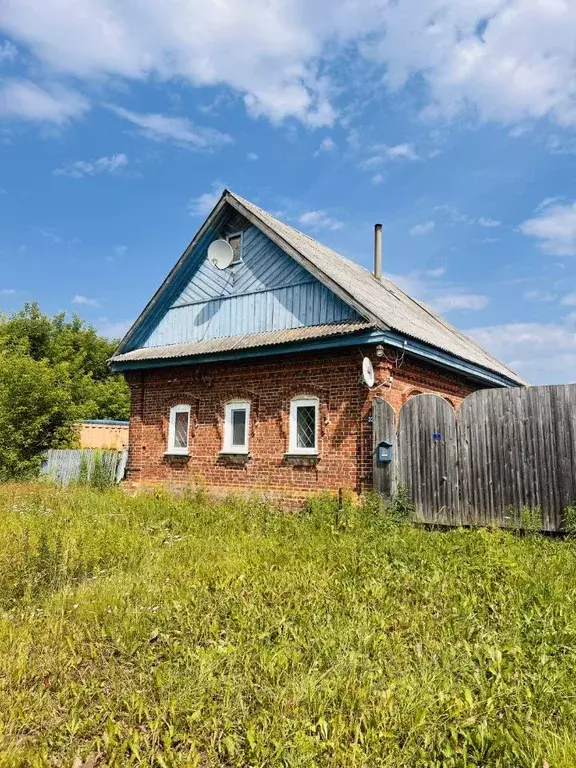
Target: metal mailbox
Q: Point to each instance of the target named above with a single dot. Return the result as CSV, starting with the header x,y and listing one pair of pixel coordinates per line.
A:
x,y
385,452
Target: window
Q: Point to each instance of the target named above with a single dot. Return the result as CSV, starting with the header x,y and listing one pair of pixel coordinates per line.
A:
x,y
236,427
235,241
304,425
178,429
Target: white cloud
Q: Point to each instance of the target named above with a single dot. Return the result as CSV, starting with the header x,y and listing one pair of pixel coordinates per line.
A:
x,y
326,145
316,220
453,215
554,227
379,154
51,235
561,145
510,61
179,130
543,353
120,250
378,178
458,301
8,291
22,99
549,201
456,216
401,151
268,53
422,229
486,221
82,168
441,296
8,51
252,156
538,295
85,300
569,300
203,204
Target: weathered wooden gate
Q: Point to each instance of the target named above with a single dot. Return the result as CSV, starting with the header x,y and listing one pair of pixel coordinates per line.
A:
x,y
383,428
428,457
517,454
507,457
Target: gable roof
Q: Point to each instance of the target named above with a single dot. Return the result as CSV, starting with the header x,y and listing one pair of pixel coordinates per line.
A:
x,y
380,301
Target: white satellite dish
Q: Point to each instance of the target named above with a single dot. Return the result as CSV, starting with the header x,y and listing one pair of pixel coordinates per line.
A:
x,y
367,372
220,253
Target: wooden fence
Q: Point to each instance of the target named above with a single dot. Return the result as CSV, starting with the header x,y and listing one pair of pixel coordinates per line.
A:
x,y
67,466
506,458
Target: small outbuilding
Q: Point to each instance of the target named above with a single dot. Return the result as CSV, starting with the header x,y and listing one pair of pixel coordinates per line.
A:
x,y
104,433
256,363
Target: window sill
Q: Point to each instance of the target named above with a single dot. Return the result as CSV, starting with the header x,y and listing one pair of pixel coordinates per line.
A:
x,y
177,454
301,459
234,457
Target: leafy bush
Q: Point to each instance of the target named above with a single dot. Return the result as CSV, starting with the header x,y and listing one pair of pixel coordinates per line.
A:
x,y
401,507
569,521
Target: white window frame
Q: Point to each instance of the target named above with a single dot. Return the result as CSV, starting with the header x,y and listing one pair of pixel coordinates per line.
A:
x,y
300,402
241,236
235,405
172,449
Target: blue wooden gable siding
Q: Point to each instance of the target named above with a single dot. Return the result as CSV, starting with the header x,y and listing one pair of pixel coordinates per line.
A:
x,y
267,291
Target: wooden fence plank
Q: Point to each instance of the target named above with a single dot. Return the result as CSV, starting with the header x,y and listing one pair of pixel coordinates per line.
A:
x,y
507,459
383,428
427,460
66,466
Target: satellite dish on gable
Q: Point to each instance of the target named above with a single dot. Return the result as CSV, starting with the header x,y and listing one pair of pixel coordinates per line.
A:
x,y
367,372
221,254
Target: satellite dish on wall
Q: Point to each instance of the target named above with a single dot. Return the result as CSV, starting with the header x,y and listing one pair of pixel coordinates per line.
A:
x,y
220,254
367,372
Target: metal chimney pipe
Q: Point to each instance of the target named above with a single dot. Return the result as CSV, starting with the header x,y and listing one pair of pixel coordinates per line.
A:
x,y
378,251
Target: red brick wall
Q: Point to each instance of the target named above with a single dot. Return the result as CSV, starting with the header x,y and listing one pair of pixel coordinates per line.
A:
x,y
270,383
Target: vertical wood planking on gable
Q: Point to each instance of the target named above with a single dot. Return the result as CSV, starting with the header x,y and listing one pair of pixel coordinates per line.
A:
x,y
266,291
295,306
264,265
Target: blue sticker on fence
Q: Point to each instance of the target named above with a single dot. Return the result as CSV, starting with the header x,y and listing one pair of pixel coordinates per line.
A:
x,y
437,436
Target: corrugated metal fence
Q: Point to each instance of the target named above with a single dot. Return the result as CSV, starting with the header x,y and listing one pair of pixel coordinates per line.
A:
x,y
67,466
506,458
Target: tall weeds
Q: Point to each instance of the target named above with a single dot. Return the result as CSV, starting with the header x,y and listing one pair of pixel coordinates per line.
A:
x,y
156,631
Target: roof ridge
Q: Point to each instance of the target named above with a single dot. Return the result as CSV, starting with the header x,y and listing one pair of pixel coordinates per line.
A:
x,y
374,293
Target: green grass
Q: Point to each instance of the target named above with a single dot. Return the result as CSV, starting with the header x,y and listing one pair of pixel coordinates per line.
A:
x,y
168,632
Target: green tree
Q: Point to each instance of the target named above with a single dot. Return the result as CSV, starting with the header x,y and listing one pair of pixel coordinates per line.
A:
x,y
36,412
53,373
76,345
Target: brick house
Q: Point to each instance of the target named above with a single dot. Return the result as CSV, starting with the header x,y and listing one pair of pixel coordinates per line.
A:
x,y
248,375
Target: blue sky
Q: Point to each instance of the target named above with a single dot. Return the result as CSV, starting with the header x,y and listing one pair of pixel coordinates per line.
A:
x,y
451,123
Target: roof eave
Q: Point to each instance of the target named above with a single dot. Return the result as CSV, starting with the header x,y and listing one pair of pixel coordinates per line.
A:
x,y
411,347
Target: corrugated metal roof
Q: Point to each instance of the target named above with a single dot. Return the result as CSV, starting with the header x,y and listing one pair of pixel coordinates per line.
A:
x,y
381,298
246,341
106,422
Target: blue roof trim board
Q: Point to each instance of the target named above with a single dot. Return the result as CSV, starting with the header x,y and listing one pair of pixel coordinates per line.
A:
x,y
289,293
106,422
